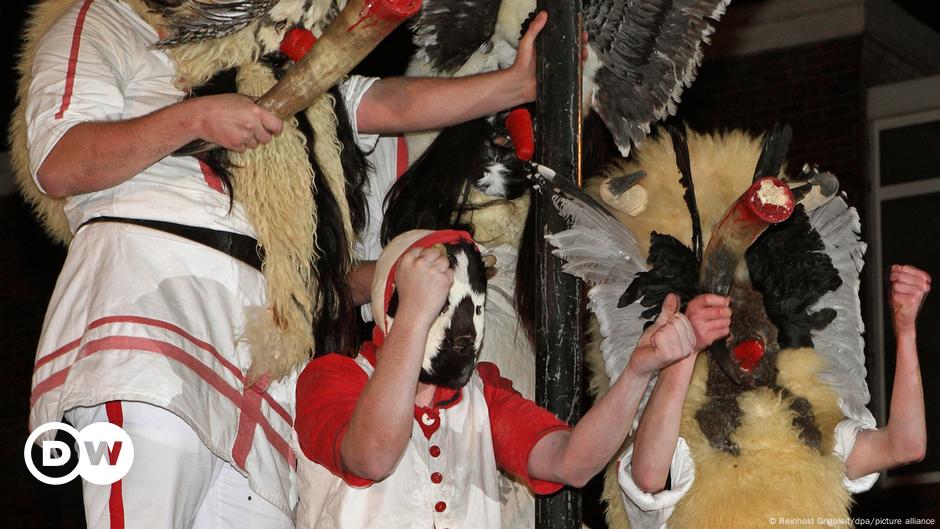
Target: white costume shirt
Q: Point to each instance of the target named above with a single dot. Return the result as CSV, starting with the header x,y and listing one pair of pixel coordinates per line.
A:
x,y
138,314
468,498
652,511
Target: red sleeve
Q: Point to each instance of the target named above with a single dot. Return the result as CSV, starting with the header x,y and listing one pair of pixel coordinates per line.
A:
x,y
517,425
327,392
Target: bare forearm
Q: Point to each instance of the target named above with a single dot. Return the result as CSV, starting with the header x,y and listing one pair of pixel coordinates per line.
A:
x,y
658,431
581,455
408,104
903,440
360,281
381,423
98,155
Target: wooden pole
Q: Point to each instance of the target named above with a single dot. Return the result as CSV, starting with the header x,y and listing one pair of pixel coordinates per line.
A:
x,y
559,353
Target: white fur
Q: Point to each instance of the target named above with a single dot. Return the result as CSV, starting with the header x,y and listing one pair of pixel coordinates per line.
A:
x,y
512,13
494,180
588,87
461,289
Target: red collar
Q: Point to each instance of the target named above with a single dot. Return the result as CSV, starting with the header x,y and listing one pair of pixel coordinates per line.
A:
x,y
443,397
427,418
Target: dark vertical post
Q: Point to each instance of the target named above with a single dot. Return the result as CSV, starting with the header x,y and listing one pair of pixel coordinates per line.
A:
x,y
558,140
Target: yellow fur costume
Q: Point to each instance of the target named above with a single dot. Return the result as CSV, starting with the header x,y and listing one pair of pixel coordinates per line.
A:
x,y
775,474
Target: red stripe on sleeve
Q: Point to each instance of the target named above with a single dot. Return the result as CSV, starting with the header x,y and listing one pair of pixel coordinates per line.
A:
x,y
401,157
116,499
73,59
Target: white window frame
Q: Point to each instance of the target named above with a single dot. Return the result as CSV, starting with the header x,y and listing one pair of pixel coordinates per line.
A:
x,y
892,106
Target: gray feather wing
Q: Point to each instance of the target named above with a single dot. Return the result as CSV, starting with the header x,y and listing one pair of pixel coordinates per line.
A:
x,y
841,344
649,52
448,32
600,250
196,20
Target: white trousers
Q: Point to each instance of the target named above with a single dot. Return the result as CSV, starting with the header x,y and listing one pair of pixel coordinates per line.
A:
x,y
175,481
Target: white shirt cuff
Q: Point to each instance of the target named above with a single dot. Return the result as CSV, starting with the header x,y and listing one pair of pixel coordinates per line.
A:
x,y
651,511
844,441
352,90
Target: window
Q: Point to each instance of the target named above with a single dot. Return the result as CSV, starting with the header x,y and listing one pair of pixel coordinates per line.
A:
x,y
904,227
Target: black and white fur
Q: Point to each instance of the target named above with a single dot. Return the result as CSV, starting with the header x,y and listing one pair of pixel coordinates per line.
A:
x,y
453,345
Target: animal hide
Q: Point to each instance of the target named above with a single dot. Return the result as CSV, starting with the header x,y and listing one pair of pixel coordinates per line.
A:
x,y
776,472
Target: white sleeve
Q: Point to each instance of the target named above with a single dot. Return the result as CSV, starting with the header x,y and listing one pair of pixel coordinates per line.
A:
x,y
652,511
844,441
75,79
352,89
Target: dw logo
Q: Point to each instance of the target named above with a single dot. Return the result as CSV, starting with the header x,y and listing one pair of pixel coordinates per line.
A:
x,y
105,453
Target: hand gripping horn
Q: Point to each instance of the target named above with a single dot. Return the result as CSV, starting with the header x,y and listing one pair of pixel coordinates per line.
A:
x,y
768,201
354,33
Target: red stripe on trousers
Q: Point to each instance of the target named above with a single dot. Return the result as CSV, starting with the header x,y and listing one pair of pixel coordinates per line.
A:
x,y
205,346
73,59
116,500
57,353
176,353
245,435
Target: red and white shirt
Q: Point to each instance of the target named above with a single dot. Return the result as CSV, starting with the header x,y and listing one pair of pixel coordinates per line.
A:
x,y
448,476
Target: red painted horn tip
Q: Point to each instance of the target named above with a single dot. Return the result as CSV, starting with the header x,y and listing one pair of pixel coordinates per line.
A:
x,y
771,200
748,353
297,42
519,125
395,9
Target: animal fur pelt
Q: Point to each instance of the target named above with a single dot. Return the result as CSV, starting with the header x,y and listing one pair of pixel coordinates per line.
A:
x,y
272,183
807,269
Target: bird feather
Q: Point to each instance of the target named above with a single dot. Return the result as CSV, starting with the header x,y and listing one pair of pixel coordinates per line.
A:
x,y
841,343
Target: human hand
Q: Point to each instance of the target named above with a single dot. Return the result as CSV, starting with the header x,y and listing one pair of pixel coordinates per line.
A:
x,y
710,316
670,339
423,282
909,287
523,68
234,121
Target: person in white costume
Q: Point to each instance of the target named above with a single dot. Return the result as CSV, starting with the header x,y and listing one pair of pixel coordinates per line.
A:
x,y
660,454
143,327
411,433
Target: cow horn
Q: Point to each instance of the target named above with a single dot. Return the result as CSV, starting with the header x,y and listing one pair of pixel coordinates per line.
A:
x,y
768,201
350,37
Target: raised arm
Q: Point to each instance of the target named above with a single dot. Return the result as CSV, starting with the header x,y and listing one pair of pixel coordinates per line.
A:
x,y
575,457
408,104
381,423
658,430
904,439
93,156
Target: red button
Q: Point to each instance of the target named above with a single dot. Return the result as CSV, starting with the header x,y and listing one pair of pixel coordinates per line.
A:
x,y
440,506
435,451
437,477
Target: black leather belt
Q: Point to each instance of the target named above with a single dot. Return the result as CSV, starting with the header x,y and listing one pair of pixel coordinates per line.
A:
x,y
239,246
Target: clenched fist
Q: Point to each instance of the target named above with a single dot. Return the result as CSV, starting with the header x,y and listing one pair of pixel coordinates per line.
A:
x,y
909,287
670,339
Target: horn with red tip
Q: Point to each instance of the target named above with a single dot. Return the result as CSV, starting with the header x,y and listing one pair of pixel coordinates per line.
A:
x,y
768,201
351,36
